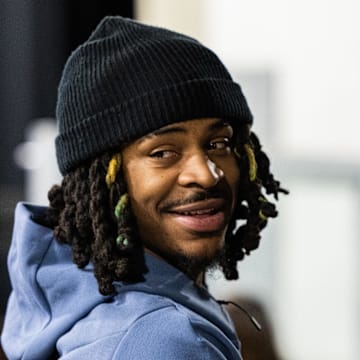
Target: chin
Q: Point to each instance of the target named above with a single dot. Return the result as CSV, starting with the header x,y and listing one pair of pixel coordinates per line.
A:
x,y
193,261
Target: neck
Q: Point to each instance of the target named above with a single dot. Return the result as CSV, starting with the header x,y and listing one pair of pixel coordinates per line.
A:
x,y
191,271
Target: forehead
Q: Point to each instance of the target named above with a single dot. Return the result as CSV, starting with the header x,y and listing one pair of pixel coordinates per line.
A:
x,y
202,126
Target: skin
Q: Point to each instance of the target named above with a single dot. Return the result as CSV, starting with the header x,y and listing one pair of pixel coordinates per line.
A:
x,y
182,182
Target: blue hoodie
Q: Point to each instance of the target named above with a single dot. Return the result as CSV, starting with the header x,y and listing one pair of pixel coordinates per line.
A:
x,y
55,305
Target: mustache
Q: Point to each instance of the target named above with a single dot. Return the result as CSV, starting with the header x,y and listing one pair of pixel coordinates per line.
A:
x,y
195,197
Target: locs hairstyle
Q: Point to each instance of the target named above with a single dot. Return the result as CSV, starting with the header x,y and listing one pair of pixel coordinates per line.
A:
x,y
125,81
86,213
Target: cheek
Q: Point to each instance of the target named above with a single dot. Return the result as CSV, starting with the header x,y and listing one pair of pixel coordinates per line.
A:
x,y
232,175
139,191
145,188
142,204
234,172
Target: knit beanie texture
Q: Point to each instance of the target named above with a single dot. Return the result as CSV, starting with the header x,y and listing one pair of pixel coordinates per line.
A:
x,y
129,79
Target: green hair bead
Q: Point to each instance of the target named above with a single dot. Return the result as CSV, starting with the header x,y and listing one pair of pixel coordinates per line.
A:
x,y
122,241
121,205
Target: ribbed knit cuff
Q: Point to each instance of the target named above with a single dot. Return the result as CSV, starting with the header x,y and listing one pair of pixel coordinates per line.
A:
x,y
127,121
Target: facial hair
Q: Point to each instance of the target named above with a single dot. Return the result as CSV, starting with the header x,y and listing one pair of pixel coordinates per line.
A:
x,y
191,265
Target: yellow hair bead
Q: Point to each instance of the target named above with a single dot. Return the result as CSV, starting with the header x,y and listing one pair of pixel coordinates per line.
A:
x,y
262,216
252,162
113,169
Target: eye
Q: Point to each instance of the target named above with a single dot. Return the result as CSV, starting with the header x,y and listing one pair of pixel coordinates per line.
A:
x,y
220,146
163,154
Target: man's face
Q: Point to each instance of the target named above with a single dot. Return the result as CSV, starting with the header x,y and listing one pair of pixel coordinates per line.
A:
x,y
182,181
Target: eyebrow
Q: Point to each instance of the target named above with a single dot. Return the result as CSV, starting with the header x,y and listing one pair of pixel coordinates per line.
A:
x,y
170,129
219,124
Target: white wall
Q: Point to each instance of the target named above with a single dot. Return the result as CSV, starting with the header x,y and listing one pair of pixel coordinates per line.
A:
x,y
306,270
314,48
37,156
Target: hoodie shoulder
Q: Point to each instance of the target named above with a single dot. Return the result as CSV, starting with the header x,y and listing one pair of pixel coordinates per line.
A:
x,y
143,326
171,333
47,288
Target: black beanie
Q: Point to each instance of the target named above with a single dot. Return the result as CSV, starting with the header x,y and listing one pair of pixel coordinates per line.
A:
x,y
129,79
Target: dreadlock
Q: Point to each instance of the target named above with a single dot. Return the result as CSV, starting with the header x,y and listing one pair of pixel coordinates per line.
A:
x,y
252,204
82,214
91,213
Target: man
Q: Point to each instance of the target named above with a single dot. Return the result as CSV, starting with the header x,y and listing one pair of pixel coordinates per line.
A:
x,y
159,162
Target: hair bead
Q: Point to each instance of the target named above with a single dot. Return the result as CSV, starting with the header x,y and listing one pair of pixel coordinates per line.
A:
x,y
113,169
121,205
252,162
262,216
122,242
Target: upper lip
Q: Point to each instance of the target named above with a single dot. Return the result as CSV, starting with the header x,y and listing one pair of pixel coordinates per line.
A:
x,y
214,204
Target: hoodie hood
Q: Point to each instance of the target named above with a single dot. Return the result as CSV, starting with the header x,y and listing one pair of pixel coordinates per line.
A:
x,y
49,292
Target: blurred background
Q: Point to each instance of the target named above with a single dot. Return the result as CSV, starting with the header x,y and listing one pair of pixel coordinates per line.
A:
x,y
298,63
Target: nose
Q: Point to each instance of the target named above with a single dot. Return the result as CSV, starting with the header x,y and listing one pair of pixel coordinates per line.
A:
x,y
199,170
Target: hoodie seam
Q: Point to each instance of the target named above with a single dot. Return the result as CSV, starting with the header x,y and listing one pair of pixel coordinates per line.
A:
x,y
201,338
117,333
49,308
34,299
179,311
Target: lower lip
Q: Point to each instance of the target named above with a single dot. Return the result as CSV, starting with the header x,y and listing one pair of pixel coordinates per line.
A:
x,y
202,223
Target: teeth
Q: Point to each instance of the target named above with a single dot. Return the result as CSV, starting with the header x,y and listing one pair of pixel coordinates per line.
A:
x,y
197,212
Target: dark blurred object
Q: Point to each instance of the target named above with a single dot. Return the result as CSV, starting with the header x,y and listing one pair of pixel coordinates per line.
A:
x,y
82,17
9,195
36,38
2,355
255,345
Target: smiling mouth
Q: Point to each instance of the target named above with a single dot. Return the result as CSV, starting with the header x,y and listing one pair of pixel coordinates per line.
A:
x,y
204,216
204,205
196,212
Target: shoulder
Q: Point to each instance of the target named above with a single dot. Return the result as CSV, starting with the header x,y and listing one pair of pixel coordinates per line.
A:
x,y
160,331
166,333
